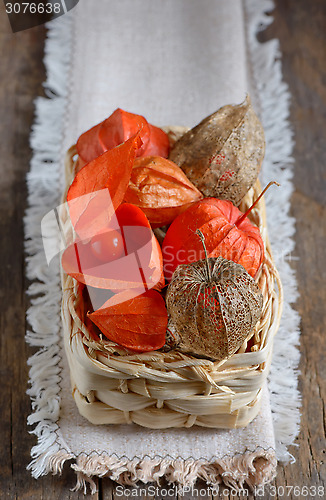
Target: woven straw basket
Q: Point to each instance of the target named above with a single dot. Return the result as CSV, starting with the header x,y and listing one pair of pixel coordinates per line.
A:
x,y
112,385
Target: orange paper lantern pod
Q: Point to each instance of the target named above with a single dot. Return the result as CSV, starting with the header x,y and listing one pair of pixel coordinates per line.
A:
x,y
160,188
118,128
137,263
127,319
89,146
158,144
225,235
99,187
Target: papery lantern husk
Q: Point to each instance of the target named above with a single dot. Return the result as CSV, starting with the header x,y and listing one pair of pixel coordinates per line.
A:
x,y
214,305
223,154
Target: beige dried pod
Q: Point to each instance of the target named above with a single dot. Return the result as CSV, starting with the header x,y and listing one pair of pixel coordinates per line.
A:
x,y
222,155
213,305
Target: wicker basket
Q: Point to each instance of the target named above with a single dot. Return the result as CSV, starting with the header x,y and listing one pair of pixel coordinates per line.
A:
x,y
112,385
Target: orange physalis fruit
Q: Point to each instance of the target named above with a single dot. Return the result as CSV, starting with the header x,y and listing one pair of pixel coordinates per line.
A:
x,y
228,233
217,220
118,128
99,188
137,322
140,265
158,144
108,245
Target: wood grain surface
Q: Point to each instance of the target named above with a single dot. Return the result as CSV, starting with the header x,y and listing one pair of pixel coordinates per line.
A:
x,y
301,28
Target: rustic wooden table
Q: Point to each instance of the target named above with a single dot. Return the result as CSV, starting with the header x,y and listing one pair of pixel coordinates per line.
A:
x,y
301,28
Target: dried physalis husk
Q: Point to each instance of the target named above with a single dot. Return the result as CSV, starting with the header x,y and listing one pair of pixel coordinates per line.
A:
x,y
214,305
222,155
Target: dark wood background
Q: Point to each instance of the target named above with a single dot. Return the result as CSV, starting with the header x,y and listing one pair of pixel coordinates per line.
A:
x,y
301,28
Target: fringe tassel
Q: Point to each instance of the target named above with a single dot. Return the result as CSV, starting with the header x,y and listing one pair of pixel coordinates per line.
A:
x,y
252,469
274,102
